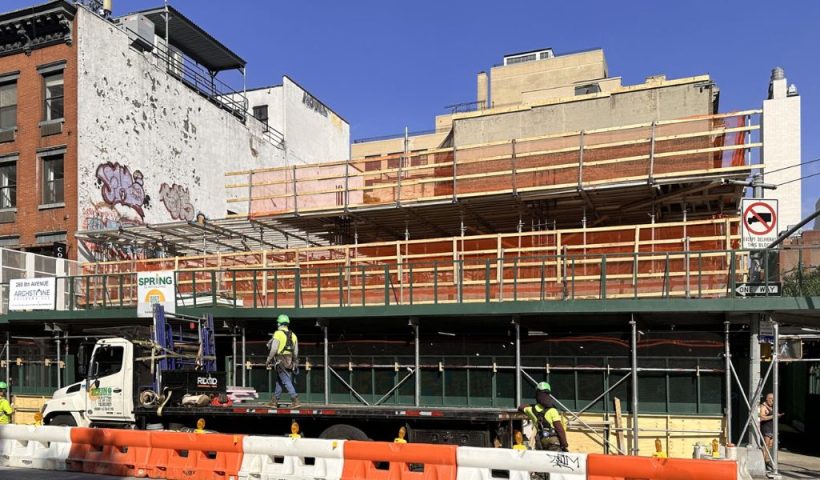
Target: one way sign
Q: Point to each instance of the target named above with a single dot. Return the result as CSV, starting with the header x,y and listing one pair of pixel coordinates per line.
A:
x,y
758,289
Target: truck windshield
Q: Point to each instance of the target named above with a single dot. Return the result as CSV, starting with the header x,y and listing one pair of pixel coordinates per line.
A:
x,y
108,360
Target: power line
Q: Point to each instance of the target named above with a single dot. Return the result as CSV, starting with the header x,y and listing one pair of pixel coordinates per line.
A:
x,y
798,179
792,166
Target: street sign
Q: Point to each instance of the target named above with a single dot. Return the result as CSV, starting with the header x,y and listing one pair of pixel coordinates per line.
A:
x,y
758,223
758,289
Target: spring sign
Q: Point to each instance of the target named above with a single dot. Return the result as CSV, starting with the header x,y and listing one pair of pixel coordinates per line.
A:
x,y
155,288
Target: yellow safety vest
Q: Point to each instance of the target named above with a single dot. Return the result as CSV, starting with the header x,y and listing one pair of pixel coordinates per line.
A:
x,y
5,411
282,337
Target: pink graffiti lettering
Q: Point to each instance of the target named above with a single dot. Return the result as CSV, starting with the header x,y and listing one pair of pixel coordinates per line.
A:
x,y
177,201
120,186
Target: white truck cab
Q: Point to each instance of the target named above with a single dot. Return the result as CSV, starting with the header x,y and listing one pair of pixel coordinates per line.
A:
x,y
105,395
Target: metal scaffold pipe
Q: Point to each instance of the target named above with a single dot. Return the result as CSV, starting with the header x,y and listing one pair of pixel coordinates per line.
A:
x,y
517,324
776,392
634,326
326,369
417,361
727,357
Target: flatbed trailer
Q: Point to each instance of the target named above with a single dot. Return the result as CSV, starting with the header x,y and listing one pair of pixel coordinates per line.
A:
x,y
461,426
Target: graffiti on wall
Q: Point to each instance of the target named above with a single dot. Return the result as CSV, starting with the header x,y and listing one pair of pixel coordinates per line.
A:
x,y
177,201
119,186
101,216
312,103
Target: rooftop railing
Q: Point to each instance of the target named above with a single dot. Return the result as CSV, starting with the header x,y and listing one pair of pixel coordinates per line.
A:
x,y
716,146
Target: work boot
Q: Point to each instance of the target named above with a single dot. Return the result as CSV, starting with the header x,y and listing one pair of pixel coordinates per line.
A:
x,y
294,402
274,402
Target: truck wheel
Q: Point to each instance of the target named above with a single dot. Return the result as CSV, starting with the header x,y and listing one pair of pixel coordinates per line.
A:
x,y
62,421
344,432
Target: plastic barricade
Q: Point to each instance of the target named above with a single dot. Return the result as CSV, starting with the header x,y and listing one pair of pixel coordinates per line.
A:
x,y
279,458
123,453
491,463
612,467
398,461
26,446
192,456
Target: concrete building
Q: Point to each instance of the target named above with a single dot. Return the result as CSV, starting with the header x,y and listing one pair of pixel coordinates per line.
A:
x,y
294,113
541,93
125,121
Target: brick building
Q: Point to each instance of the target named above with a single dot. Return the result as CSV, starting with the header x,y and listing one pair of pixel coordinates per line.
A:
x,y
38,134
109,122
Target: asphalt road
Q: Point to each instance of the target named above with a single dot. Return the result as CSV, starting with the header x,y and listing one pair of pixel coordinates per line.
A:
x,y
26,474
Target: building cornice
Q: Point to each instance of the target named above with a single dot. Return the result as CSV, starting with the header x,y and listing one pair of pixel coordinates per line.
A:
x,y
26,30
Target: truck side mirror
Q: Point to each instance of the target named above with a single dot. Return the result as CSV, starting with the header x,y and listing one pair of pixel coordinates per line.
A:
x,y
82,361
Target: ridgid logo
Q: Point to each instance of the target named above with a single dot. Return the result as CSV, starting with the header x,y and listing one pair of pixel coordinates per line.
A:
x,y
206,382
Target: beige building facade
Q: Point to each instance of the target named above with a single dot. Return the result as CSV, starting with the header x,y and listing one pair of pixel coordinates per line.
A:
x,y
540,93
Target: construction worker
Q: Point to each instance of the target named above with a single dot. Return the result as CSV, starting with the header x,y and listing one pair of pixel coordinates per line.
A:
x,y
283,356
5,406
551,431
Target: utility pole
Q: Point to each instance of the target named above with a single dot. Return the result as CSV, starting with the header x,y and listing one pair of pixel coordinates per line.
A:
x,y
756,269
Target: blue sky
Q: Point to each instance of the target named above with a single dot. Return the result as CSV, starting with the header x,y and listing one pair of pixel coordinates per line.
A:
x,y
384,65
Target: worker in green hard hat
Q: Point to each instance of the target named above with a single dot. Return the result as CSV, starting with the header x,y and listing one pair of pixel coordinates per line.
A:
x,y
551,430
283,357
5,406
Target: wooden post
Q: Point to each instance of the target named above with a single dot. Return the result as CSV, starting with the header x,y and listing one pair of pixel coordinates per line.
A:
x,y
619,436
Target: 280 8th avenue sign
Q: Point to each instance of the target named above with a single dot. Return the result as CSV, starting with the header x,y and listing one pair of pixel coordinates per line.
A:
x,y
155,287
32,294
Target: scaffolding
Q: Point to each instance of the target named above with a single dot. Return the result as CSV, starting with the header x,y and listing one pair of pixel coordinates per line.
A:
x,y
610,169
682,259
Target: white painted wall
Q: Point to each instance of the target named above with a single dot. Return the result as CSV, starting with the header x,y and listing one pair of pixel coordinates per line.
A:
x,y
272,97
151,150
781,148
313,132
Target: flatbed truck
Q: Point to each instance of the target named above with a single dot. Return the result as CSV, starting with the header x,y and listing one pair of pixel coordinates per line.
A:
x,y
140,383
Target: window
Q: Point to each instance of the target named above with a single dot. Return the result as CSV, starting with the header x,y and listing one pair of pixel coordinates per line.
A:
x,y
587,89
8,184
261,113
53,174
8,105
53,106
521,59
107,361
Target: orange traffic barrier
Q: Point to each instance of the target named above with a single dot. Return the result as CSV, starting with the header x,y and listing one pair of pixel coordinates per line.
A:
x,y
191,456
614,467
398,461
122,453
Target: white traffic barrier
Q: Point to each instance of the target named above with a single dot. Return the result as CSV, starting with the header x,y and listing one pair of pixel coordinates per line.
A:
x,y
27,446
490,463
280,458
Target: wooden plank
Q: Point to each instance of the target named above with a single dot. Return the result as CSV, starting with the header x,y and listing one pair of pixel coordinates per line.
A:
x,y
620,442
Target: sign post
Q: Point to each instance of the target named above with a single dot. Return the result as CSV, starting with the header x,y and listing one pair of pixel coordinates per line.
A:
x,y
758,223
155,287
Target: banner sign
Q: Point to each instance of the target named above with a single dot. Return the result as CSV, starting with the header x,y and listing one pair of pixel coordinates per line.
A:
x,y
32,294
155,287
